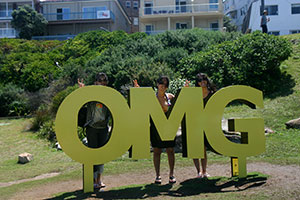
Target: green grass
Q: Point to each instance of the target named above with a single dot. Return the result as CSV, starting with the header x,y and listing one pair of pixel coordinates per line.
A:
x,y
282,147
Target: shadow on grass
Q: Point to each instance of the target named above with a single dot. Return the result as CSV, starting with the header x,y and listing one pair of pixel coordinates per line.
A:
x,y
191,187
282,87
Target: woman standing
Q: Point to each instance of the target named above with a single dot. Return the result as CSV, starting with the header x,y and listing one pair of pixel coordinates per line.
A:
x,y
208,89
156,142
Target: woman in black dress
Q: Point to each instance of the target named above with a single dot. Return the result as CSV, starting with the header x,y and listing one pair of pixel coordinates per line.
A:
x,y
208,89
156,142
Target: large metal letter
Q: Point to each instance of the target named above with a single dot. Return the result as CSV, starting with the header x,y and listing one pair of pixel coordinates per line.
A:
x,y
66,128
144,104
254,127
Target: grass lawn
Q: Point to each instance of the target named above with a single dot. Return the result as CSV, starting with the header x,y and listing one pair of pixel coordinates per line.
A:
x,y
283,147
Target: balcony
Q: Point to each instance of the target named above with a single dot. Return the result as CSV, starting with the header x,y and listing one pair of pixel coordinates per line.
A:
x,y
180,9
68,16
5,14
155,32
7,33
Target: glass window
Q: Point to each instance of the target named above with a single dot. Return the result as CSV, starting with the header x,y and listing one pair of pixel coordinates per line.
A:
x,y
214,26
2,9
63,13
136,21
148,8
91,12
274,32
214,6
128,4
294,31
181,25
296,8
272,10
135,4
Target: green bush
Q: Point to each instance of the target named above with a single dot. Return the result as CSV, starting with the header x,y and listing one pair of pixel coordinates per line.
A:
x,y
13,101
121,72
42,115
253,60
60,96
27,63
47,131
194,40
176,85
171,56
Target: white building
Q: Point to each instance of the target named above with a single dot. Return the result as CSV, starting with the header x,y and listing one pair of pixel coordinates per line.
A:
x,y
284,15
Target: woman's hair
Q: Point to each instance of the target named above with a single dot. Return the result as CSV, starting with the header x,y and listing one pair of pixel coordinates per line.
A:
x,y
210,85
163,80
101,77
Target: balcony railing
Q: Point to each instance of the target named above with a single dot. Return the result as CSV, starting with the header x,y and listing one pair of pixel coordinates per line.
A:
x,y
4,14
103,14
7,33
179,9
154,32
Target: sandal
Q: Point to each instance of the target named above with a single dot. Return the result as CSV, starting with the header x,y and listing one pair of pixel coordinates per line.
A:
x,y
205,175
172,180
102,185
200,175
157,180
99,185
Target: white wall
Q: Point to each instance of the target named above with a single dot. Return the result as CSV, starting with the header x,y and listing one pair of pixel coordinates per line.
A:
x,y
283,22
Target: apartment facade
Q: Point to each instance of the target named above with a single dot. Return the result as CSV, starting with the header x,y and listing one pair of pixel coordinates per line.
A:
x,y
157,16
132,9
6,9
284,15
71,17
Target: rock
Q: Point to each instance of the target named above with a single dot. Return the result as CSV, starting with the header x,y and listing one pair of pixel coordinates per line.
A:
x,y
57,146
25,158
268,131
295,123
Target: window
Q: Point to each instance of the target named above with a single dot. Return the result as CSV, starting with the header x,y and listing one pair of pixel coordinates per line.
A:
x,y
181,25
128,4
214,6
63,13
149,28
274,32
180,6
91,12
214,26
148,8
296,8
135,4
136,21
272,10
294,31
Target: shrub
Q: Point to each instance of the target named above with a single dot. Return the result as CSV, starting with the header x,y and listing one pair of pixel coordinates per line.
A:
x,y
176,85
121,72
42,116
60,96
13,101
171,56
47,131
253,60
194,40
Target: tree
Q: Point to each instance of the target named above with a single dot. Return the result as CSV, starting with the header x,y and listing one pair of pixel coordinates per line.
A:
x,y
28,22
230,27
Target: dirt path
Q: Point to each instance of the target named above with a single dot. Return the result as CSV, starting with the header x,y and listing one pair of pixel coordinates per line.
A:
x,y
284,181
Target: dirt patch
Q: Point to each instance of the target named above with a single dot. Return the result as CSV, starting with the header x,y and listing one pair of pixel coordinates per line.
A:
x,y
284,181
43,176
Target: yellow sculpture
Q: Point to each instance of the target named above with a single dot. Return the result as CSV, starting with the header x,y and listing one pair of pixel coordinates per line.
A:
x,y
131,125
